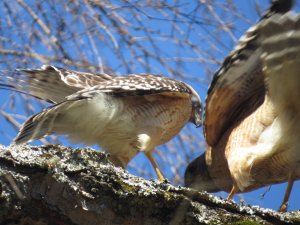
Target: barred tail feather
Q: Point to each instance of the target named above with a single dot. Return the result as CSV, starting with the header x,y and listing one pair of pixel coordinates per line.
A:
x,y
36,127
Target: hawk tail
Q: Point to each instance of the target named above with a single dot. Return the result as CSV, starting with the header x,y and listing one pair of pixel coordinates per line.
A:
x,y
37,126
281,59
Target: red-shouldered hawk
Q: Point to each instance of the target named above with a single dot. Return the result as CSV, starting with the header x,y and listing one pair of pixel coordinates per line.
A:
x,y
252,112
124,115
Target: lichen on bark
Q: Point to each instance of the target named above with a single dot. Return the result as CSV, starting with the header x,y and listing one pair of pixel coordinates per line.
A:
x,y
59,185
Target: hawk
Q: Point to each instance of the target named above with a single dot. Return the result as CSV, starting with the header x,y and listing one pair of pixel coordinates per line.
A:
x,y
123,115
252,112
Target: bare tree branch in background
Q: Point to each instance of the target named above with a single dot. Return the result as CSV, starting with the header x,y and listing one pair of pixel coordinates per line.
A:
x,y
182,39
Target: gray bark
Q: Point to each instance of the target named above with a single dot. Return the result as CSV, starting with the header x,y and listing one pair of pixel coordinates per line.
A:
x,y
59,185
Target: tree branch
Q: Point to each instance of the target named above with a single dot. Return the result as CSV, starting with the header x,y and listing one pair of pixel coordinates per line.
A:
x,y
59,185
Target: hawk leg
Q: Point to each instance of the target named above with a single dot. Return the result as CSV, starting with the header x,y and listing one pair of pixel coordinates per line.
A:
x,y
232,193
284,204
153,163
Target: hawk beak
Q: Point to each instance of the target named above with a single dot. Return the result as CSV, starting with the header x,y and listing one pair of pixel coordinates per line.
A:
x,y
198,120
198,124
196,116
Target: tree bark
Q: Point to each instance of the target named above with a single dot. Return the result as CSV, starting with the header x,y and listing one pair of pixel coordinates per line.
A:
x,y
59,185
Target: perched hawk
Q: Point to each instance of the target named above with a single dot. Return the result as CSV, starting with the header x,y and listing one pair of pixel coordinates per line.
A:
x,y
124,115
252,112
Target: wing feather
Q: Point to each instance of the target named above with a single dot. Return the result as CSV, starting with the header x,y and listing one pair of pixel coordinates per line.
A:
x,y
50,83
137,85
239,79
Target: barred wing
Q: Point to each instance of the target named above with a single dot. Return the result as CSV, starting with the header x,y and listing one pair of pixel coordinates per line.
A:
x,y
239,82
50,83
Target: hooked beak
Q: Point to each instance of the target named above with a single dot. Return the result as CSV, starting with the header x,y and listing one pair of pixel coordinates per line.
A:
x,y
196,118
198,122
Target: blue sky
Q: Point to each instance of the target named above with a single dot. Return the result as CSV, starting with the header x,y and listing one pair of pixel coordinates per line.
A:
x,y
196,74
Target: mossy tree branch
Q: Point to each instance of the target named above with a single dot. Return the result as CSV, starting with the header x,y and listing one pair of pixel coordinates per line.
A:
x,y
59,185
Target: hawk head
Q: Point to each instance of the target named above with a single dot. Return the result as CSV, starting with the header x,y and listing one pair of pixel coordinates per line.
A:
x,y
197,176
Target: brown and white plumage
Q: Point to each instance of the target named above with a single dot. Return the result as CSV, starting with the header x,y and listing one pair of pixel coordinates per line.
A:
x,y
124,115
50,83
252,112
